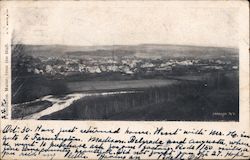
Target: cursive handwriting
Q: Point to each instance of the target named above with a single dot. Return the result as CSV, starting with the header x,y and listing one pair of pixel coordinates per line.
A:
x,y
121,143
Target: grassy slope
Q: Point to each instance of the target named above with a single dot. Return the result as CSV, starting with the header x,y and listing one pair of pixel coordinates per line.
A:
x,y
23,110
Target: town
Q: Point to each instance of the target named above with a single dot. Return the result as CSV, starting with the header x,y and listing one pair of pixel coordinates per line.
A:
x,y
56,67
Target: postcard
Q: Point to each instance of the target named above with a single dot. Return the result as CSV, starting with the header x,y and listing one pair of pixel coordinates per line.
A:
x,y
125,80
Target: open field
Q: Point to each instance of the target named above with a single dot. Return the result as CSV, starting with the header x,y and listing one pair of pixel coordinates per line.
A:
x,y
111,85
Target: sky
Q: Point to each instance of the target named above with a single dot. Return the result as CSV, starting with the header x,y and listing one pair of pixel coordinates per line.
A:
x,y
125,25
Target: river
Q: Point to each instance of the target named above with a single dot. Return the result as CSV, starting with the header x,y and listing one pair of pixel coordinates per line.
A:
x,y
62,102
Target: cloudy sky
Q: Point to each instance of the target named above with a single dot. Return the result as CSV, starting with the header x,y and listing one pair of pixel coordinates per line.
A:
x,y
125,24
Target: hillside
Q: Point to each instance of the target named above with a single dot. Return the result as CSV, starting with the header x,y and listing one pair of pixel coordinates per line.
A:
x,y
142,50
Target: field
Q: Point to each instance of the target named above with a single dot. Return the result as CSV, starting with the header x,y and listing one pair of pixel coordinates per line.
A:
x,y
114,85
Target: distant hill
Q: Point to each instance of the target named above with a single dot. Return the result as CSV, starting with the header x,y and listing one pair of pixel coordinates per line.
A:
x,y
142,50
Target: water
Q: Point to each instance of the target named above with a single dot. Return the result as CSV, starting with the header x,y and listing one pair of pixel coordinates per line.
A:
x,y
62,102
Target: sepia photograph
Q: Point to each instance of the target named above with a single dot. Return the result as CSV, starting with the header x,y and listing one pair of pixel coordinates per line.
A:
x,y
128,80
126,63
